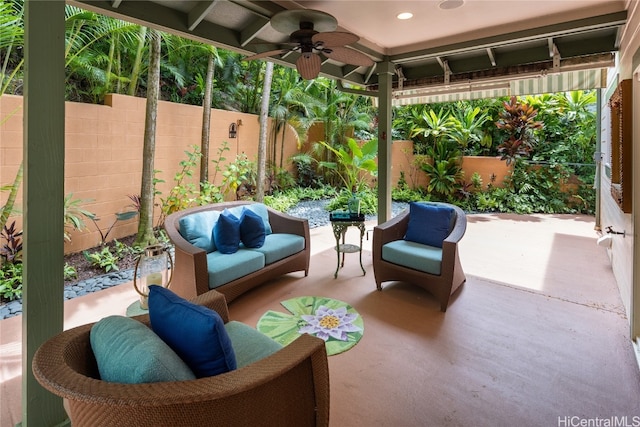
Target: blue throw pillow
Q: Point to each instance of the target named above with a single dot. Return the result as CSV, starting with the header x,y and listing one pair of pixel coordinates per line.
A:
x,y
429,224
194,332
252,233
128,352
226,233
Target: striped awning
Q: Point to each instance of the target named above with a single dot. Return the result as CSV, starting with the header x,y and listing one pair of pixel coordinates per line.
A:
x,y
550,83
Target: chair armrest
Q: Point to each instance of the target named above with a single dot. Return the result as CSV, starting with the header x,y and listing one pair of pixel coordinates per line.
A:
x,y
391,230
297,375
459,228
215,301
450,244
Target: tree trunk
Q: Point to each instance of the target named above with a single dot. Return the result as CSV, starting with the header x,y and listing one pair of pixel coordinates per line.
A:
x,y
262,141
145,226
284,132
109,71
206,121
7,209
135,73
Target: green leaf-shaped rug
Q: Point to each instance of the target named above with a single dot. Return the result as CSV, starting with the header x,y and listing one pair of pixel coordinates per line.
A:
x,y
335,321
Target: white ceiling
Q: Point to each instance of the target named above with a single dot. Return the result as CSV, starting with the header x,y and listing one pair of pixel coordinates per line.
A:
x,y
431,26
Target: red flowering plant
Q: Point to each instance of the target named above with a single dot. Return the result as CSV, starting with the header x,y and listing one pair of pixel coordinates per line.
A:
x,y
518,120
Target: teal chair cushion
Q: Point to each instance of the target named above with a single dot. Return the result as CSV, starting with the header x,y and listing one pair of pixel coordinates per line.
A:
x,y
224,268
249,344
429,224
413,255
197,228
194,332
128,352
280,245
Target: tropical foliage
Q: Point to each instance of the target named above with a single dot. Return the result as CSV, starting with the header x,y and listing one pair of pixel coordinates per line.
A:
x,y
549,139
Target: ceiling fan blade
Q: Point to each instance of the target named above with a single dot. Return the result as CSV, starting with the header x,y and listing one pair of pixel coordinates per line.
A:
x,y
266,54
348,56
334,38
308,65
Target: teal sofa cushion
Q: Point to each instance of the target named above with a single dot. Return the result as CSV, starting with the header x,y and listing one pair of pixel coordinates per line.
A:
x,y
128,352
197,228
413,255
226,233
252,231
224,268
196,333
280,245
429,224
249,344
258,208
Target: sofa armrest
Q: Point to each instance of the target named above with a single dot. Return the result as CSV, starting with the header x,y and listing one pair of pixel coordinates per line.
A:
x,y
189,277
283,223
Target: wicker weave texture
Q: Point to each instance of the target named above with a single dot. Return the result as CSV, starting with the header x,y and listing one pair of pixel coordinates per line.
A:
x,y
441,286
288,388
191,277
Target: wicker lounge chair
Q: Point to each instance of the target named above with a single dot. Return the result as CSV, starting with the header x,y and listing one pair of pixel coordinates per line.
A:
x,y
288,388
442,285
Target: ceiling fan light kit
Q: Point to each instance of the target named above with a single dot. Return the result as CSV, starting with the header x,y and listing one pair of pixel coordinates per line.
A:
x,y
308,65
312,33
450,4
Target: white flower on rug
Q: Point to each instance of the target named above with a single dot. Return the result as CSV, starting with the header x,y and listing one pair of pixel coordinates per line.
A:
x,y
329,322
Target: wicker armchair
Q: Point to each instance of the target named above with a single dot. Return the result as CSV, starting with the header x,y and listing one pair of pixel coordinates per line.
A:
x,y
288,388
191,277
451,276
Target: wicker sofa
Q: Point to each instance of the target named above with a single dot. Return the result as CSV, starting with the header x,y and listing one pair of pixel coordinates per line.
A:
x,y
196,271
288,388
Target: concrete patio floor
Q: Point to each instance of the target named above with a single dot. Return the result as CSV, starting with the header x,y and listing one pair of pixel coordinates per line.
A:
x,y
545,254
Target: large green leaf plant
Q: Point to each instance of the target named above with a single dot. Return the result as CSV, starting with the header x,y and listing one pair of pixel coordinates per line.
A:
x,y
354,163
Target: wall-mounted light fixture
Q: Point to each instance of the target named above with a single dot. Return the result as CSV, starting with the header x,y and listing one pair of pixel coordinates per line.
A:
x,y
233,130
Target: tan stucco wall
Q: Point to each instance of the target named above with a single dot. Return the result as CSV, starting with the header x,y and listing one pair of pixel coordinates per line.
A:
x,y
402,161
103,152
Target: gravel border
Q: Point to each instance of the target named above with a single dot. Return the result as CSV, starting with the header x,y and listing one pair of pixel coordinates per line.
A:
x,y
313,210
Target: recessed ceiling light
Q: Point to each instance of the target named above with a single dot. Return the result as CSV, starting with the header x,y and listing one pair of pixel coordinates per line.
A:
x,y
450,4
405,15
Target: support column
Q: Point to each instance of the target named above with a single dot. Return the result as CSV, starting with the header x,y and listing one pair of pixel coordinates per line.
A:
x,y
598,159
43,195
385,70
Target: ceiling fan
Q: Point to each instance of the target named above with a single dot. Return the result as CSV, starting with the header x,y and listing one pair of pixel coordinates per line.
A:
x,y
311,32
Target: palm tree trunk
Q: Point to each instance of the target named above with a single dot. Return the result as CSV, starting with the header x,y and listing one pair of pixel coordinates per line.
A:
x,y
135,73
284,131
145,226
8,207
112,50
206,121
262,141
